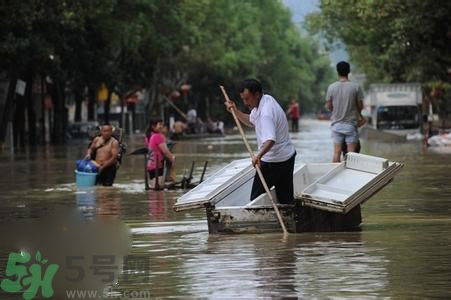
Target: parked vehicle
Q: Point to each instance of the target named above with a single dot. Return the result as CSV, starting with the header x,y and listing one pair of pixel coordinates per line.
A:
x,y
395,108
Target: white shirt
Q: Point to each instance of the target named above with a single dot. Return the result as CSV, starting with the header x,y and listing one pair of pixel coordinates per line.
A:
x,y
191,116
271,123
220,125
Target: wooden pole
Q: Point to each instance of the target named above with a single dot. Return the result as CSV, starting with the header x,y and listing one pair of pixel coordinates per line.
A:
x,y
175,107
257,168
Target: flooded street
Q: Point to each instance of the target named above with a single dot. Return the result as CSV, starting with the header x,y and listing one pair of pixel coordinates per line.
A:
x,y
402,251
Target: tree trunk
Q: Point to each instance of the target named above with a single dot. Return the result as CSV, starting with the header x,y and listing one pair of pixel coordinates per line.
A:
x,y
154,91
122,120
59,116
31,112
106,108
19,122
43,129
132,109
91,103
8,109
153,97
78,103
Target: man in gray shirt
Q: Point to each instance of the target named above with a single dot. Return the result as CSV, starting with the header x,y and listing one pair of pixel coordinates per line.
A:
x,y
345,100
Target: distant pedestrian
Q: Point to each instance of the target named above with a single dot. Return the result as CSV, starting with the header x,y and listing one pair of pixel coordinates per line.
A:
x,y
294,114
191,118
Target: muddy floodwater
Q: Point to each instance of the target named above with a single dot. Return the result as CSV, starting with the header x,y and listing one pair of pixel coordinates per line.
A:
x,y
403,250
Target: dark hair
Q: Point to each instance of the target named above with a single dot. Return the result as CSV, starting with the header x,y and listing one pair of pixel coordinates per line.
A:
x,y
343,68
153,121
100,127
253,85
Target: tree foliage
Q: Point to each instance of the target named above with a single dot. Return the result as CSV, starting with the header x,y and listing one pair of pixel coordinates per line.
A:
x,y
256,38
391,40
159,45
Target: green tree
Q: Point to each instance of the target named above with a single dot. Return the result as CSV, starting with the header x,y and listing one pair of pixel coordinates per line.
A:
x,y
392,41
258,39
157,45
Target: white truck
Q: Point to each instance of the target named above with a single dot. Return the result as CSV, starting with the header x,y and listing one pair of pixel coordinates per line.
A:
x,y
395,108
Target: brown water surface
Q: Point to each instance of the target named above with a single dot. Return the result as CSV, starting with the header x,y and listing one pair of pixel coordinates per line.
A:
x,y
403,250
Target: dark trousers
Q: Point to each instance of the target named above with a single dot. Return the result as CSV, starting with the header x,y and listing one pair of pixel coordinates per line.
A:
x,y
107,176
280,175
294,124
155,173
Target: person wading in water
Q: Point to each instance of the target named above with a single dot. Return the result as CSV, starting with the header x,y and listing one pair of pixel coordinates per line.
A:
x,y
104,150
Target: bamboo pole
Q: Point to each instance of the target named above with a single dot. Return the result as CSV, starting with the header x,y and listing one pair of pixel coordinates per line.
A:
x,y
257,168
175,107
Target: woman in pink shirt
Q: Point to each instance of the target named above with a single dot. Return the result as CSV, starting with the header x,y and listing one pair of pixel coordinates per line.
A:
x,y
156,143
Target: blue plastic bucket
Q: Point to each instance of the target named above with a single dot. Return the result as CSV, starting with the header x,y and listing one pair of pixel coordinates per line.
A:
x,y
83,179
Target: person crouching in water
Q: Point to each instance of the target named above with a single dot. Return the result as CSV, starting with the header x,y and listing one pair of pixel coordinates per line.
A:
x,y
156,143
104,150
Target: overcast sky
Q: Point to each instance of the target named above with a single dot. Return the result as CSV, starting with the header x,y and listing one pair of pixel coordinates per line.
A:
x,y
299,9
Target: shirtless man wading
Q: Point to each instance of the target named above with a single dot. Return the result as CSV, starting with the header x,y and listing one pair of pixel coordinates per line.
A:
x,y
104,150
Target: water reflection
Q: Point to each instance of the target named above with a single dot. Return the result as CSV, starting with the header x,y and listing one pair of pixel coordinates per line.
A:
x,y
86,202
108,202
102,202
157,205
302,266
